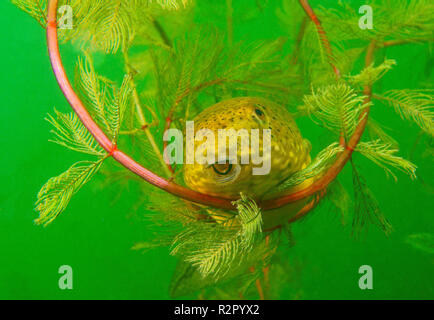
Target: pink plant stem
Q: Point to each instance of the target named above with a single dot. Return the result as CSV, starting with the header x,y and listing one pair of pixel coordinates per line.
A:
x,y
99,135
311,14
162,183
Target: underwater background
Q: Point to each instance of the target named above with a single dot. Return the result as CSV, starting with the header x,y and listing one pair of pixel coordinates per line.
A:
x,y
95,234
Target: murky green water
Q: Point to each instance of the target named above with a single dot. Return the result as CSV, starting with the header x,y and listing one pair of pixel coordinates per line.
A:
x,y
95,234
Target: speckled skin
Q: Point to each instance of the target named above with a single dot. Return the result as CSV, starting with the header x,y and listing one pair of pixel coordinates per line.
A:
x,y
289,151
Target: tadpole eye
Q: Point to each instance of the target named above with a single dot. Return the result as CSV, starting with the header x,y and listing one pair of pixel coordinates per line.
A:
x,y
259,112
222,169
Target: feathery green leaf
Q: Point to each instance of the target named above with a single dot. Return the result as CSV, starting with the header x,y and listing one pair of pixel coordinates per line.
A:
x,y
55,195
413,105
108,103
376,131
105,25
393,19
337,107
213,248
384,156
172,4
250,218
35,8
72,134
116,109
315,169
366,208
371,74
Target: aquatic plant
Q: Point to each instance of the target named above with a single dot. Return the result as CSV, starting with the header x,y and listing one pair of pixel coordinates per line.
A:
x,y
173,69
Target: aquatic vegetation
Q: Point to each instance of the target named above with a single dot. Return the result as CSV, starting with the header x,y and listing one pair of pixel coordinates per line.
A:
x,y
226,225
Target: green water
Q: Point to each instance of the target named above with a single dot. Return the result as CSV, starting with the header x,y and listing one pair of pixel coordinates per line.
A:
x,y
95,234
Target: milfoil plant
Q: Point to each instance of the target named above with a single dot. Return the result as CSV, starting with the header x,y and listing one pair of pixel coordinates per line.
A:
x,y
324,68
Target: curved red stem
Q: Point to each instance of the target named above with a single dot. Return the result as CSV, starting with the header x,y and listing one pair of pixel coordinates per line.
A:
x,y
169,186
99,135
322,34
